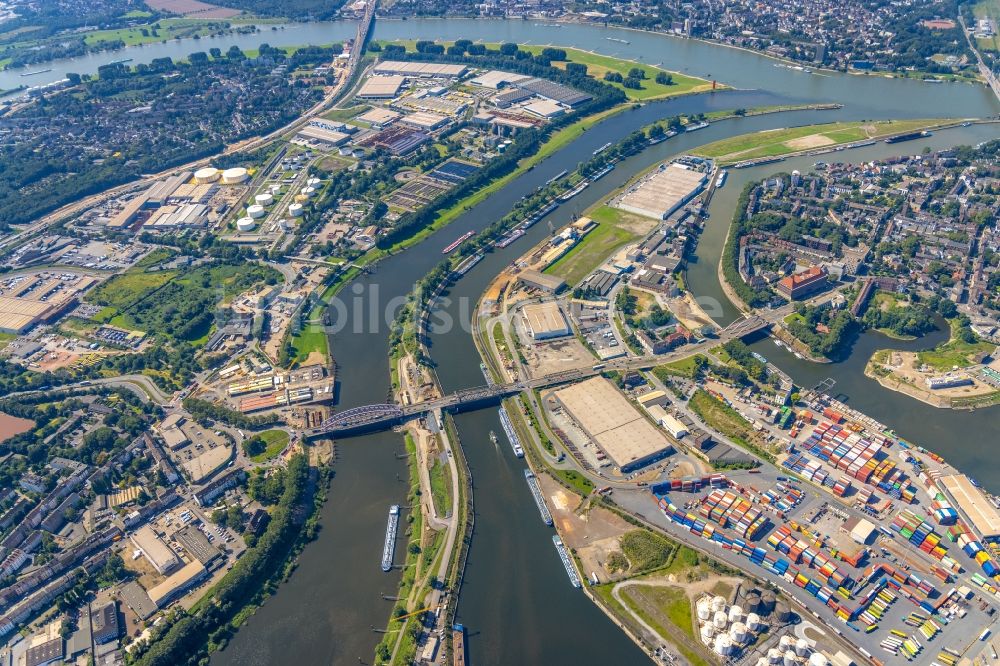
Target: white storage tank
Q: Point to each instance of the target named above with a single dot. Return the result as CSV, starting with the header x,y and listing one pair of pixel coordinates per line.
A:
x,y
295,210
703,608
786,642
762,662
738,632
707,634
818,659
256,211
718,604
313,182
802,647
265,199
723,644
276,189
773,656
789,659
721,620
245,224
753,622
206,175
234,175
308,191
284,224
735,614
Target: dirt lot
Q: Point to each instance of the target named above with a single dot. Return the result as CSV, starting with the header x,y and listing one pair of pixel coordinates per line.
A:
x,y
594,534
556,356
811,141
904,366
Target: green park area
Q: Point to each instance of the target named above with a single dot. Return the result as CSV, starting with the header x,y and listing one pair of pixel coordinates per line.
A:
x,y
784,141
266,445
161,31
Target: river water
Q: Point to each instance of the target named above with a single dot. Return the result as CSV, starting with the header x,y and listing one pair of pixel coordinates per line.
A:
x,y
517,602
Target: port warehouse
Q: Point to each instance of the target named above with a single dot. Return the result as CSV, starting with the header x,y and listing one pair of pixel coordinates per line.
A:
x,y
30,301
620,430
662,192
545,321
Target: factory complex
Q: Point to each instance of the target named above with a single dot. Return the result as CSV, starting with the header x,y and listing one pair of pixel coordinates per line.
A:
x,y
665,190
27,300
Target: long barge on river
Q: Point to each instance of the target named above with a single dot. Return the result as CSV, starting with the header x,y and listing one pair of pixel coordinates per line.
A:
x,y
536,493
458,241
390,538
458,645
567,563
508,429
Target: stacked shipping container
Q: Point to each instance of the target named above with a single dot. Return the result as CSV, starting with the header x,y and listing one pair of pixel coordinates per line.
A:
x,y
863,460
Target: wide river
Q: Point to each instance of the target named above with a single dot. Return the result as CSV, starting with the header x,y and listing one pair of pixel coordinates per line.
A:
x,y
517,603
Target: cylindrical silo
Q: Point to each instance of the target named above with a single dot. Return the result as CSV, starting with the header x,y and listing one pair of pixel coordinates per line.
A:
x,y
818,659
206,175
782,613
295,210
789,659
718,603
707,634
767,601
738,632
234,176
752,602
265,199
703,608
773,656
735,613
753,622
723,644
308,191
802,648
245,224
721,620
256,211
785,642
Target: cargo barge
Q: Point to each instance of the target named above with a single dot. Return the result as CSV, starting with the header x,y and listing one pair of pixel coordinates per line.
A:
x,y
508,429
602,149
758,162
602,173
468,264
486,374
909,136
574,579
461,239
695,128
575,191
390,538
556,177
616,39
458,645
723,174
510,238
536,493
531,221
36,72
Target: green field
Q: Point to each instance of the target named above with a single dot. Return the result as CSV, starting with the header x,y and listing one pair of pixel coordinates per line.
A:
x,y
123,290
685,367
724,419
440,487
954,353
169,29
611,233
578,482
276,441
598,65
773,143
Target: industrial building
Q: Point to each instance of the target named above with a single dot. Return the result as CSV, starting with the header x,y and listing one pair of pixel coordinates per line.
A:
x,y
971,501
378,117
420,69
545,321
381,87
177,584
39,298
662,192
321,135
496,79
948,381
802,284
542,281
159,554
425,121
104,623
614,424
171,433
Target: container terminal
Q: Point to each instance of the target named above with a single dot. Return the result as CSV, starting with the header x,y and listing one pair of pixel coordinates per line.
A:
x,y
508,429
390,538
567,563
536,493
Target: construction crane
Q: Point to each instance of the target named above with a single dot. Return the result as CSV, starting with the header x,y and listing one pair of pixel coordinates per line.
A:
x,y
403,617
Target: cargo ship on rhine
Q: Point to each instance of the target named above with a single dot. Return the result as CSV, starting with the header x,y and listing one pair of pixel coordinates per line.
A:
x,y
574,579
508,429
390,537
536,493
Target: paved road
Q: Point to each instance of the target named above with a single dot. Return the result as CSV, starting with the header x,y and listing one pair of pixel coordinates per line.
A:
x,y
140,385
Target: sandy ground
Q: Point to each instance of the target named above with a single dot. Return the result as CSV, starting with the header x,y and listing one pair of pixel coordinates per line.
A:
x,y
12,425
549,357
593,532
811,141
904,367
415,383
688,312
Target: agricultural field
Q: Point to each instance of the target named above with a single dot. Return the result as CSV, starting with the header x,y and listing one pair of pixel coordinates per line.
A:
x,y
774,143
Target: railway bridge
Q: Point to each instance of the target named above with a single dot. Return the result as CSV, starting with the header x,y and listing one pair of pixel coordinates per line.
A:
x,y
371,418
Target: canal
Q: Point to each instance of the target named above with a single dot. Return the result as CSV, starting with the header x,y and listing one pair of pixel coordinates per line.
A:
x,y
517,603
